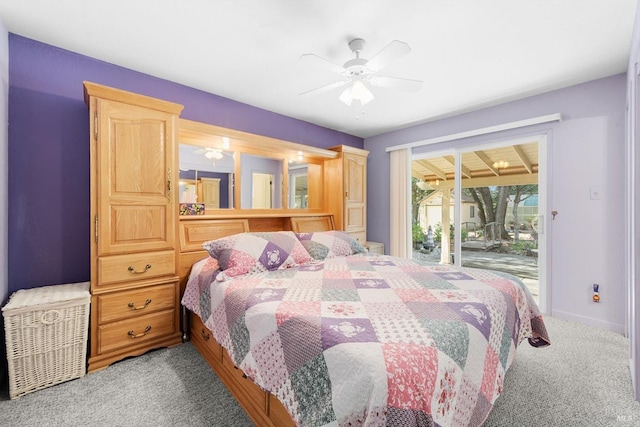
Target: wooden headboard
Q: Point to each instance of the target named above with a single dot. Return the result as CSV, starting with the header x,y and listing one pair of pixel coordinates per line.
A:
x,y
194,231
310,224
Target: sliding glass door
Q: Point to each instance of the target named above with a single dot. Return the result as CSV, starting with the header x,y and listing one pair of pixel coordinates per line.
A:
x,y
433,207
480,206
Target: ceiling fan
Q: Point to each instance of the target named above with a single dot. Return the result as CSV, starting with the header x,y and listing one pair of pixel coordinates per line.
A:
x,y
359,72
210,153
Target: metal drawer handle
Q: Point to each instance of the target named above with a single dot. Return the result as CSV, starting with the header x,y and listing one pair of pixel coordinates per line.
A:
x,y
205,335
243,374
133,270
133,335
132,305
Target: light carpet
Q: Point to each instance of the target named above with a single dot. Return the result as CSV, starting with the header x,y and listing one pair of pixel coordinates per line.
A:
x,y
582,379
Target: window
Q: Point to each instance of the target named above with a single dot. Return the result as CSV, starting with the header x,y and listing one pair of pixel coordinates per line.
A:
x,y
472,211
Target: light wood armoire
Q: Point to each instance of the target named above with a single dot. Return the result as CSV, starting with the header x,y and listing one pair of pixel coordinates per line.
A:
x,y
134,282
345,183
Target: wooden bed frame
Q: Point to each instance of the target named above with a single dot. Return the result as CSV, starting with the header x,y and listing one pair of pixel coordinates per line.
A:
x,y
262,407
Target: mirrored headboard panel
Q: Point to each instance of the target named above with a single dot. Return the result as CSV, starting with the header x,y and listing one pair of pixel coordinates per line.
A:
x,y
206,176
226,171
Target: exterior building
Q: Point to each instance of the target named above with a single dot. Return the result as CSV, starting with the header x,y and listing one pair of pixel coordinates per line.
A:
x,y
430,211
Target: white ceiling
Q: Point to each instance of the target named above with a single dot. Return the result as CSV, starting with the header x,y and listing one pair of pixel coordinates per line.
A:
x,y
470,53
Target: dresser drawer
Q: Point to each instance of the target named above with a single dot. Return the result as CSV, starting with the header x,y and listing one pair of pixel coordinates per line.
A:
x,y
139,266
133,332
258,397
201,332
127,304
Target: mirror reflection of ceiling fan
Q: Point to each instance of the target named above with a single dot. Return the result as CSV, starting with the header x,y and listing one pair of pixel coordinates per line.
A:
x,y
359,73
210,153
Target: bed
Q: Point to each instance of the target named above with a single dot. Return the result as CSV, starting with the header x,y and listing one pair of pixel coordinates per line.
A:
x,y
341,337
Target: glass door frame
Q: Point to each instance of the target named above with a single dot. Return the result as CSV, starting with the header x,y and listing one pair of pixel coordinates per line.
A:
x,y
543,228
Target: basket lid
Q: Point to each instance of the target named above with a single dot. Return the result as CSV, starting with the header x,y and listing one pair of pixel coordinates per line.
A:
x,y
46,295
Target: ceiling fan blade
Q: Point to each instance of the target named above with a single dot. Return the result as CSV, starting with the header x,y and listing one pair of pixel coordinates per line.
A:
x,y
393,51
397,83
325,88
200,151
310,58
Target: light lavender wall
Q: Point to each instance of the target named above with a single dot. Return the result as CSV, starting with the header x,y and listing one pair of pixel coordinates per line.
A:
x,y
586,149
251,164
632,228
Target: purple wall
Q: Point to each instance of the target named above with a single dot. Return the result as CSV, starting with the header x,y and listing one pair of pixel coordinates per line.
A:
x,y
49,151
4,144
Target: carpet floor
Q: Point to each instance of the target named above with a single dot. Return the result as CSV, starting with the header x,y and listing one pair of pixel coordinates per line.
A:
x,y
582,379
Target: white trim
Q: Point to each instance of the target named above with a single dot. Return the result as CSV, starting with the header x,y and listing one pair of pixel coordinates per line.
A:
x,y
589,321
431,154
544,221
632,221
407,213
457,211
557,117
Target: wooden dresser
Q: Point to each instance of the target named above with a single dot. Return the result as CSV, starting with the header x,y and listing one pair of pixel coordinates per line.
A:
x,y
134,281
346,198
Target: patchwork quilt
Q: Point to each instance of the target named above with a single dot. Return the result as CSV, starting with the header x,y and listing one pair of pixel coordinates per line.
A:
x,y
371,340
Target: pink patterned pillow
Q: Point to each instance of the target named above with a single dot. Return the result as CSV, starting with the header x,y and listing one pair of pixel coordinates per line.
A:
x,y
254,252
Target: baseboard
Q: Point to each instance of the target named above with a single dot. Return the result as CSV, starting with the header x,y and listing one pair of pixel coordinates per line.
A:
x,y
589,321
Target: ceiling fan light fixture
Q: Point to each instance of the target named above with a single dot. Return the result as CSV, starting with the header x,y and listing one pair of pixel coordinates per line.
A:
x,y
213,154
355,71
361,93
357,91
346,96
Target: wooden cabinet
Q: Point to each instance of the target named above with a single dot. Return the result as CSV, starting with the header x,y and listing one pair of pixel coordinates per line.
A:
x,y
134,282
209,193
346,198
263,408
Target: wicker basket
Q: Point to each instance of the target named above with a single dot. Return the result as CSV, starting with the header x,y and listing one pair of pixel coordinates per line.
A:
x,y
46,335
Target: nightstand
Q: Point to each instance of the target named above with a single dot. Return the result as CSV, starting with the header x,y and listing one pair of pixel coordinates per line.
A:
x,y
375,247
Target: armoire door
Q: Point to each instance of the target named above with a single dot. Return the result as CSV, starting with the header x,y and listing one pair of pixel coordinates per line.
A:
x,y
209,190
355,184
135,179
